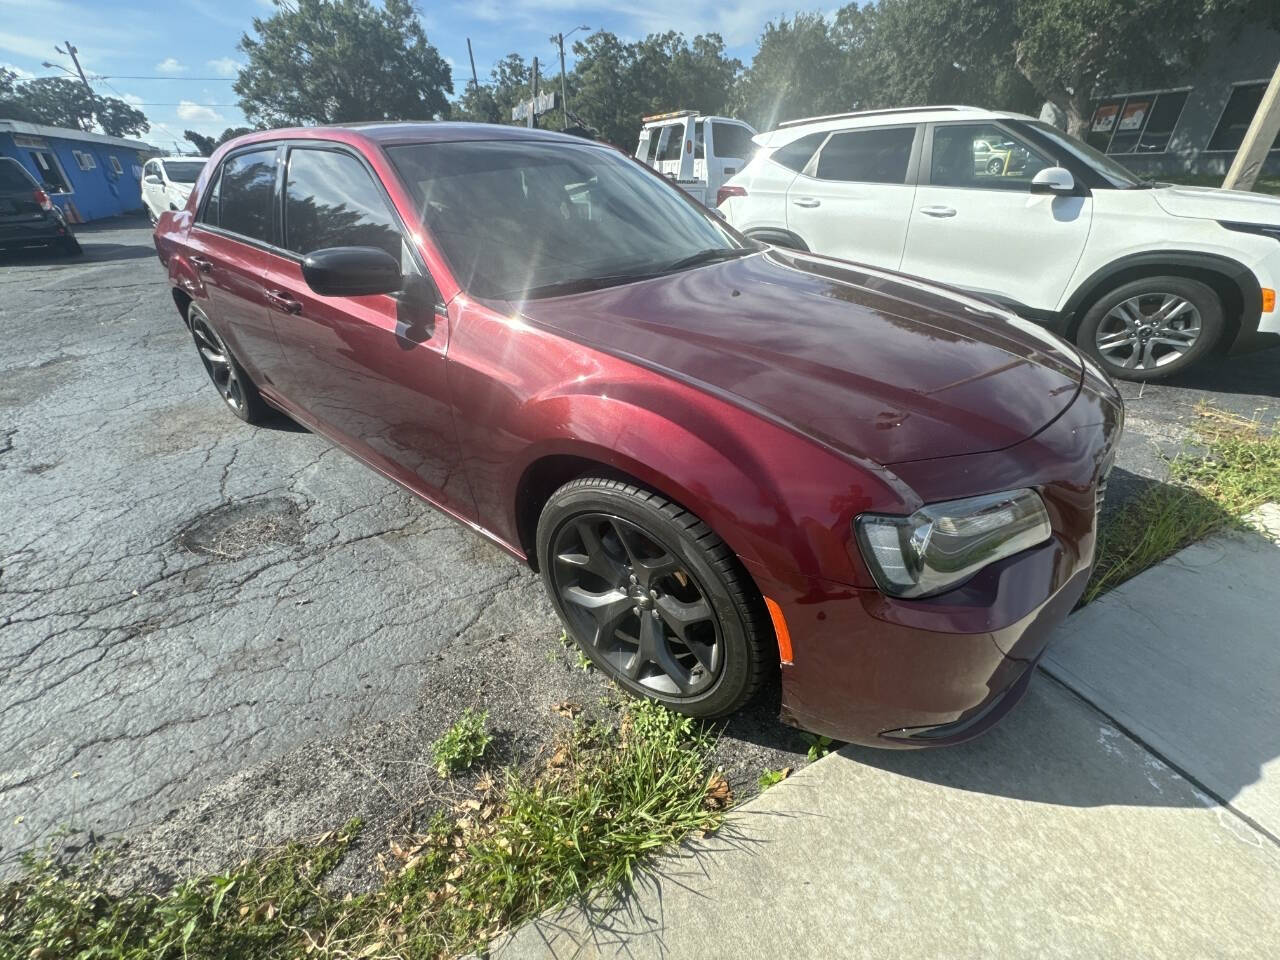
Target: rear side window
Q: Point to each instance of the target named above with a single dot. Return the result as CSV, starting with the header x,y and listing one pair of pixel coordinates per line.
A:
x,y
731,140
797,153
867,156
14,178
246,189
330,200
211,206
672,142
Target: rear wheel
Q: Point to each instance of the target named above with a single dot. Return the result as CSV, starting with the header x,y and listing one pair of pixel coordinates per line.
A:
x,y
226,374
70,247
652,596
1152,328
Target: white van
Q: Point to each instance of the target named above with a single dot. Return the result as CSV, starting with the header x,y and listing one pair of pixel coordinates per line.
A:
x,y
699,153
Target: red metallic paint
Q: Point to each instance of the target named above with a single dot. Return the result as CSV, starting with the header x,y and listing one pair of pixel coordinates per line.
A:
x,y
777,397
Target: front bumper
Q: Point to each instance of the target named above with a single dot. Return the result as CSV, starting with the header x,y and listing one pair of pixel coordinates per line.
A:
x,y
885,672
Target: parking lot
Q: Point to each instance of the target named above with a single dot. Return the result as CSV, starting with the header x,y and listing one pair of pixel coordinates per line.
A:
x,y
216,634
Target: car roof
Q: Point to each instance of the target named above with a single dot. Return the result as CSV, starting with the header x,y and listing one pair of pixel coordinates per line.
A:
x,y
794,129
408,131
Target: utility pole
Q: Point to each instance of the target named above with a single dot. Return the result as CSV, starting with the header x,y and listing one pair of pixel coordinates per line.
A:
x,y
475,81
71,52
564,90
1257,139
533,105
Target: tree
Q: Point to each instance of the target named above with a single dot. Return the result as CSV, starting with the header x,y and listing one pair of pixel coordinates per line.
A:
x,y
206,145
799,70
338,61
62,102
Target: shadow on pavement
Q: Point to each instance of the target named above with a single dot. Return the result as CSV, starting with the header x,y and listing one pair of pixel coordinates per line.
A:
x,y
1249,373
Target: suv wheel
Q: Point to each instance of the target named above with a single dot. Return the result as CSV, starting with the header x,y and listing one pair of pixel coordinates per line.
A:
x,y
653,596
1151,328
233,384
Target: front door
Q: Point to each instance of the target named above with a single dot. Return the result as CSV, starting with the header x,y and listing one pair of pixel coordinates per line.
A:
x,y
853,198
976,224
369,370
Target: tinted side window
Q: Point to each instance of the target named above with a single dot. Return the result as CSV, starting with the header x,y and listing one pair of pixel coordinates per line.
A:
x,y
867,156
330,200
247,187
731,140
211,212
796,154
13,177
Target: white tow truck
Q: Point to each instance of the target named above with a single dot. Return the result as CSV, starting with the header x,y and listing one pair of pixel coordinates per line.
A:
x,y
697,153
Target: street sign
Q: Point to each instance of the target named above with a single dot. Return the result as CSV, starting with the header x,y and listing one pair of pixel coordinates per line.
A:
x,y
545,103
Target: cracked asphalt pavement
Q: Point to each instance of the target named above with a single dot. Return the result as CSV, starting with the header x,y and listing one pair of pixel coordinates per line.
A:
x,y
213,636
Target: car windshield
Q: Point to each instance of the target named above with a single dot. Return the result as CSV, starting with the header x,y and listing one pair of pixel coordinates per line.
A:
x,y
183,171
1114,173
520,219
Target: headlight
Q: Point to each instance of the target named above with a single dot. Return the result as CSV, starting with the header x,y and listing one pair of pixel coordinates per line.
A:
x,y
943,544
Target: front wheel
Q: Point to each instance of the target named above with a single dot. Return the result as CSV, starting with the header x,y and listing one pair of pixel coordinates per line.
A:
x,y
652,596
1152,328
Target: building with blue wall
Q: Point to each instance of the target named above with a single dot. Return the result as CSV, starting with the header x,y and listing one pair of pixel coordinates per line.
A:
x,y
89,175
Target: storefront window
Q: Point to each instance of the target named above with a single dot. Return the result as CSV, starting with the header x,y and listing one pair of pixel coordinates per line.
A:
x,y
1138,123
1236,117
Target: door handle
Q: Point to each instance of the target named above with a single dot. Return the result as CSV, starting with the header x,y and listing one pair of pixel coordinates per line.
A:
x,y
201,264
283,302
807,202
937,210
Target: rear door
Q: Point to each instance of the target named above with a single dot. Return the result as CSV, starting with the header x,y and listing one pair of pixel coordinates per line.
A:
x,y
234,227
729,149
976,224
854,197
370,370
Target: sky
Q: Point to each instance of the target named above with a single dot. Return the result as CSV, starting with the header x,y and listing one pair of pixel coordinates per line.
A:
x,y
175,59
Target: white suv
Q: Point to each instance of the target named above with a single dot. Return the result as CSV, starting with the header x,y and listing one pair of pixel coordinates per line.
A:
x,y
167,182
1147,278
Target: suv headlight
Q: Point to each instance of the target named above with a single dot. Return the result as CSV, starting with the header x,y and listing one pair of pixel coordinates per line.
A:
x,y
943,544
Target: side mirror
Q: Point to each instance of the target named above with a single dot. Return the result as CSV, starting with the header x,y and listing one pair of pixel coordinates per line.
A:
x,y
1053,180
352,272
153,178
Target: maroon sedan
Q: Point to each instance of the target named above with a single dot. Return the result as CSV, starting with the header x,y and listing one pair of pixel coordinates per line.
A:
x,y
726,460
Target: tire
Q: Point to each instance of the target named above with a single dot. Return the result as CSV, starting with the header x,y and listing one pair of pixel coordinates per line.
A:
x,y
995,166
151,216
70,247
238,392
1124,330
601,538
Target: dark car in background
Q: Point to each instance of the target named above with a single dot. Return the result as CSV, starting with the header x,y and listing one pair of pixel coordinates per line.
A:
x,y
28,218
727,460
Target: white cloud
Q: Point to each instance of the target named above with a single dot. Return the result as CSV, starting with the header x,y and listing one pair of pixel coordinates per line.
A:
x,y
169,65
197,113
224,66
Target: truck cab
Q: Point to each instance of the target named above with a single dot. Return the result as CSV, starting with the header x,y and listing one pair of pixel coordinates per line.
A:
x,y
697,153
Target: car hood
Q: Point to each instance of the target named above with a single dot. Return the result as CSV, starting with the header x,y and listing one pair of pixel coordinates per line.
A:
x,y
873,364
1211,203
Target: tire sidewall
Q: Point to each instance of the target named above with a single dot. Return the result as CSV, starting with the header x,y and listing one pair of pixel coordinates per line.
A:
x,y
567,504
1199,294
251,409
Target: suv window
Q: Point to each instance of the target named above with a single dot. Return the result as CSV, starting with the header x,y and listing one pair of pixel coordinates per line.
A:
x,y
331,201
982,155
796,154
211,207
867,156
246,189
14,178
731,140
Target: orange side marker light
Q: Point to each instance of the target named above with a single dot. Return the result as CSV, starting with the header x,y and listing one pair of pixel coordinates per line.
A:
x,y
780,630
1268,299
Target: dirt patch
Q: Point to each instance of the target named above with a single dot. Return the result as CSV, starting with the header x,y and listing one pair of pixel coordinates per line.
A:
x,y
237,530
21,385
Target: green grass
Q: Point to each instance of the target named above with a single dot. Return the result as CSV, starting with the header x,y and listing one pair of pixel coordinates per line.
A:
x,y
463,744
1231,468
609,798
772,777
1263,184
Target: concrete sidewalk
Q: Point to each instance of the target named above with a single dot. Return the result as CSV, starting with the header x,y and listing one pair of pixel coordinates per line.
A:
x,y
1056,835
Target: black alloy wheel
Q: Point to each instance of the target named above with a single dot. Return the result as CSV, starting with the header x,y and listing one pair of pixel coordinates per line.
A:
x,y
652,596
233,384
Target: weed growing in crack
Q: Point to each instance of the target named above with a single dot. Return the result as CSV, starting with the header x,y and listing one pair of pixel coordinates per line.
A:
x,y
463,744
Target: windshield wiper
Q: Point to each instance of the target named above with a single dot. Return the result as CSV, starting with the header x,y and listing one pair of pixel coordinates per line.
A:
x,y
711,255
